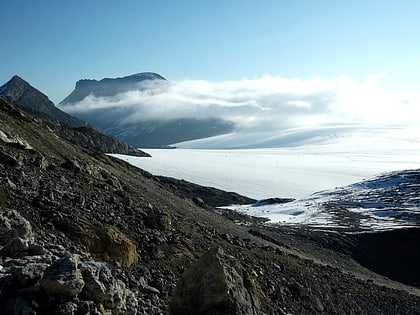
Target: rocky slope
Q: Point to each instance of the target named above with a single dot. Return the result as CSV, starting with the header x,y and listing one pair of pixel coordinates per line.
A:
x,y
35,102
39,105
84,233
145,132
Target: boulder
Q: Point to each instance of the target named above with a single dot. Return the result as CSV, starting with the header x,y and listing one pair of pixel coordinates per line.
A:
x,y
159,221
105,241
15,247
63,277
103,288
13,225
216,286
117,247
8,160
72,166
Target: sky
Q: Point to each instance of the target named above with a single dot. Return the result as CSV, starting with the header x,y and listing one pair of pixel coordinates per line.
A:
x,y
52,44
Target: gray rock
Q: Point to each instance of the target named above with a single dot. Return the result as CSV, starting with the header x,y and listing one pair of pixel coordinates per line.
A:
x,y
103,288
13,225
157,220
8,160
316,303
15,247
63,277
214,286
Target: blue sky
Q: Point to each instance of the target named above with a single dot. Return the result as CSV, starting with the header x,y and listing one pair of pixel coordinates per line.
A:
x,y
52,44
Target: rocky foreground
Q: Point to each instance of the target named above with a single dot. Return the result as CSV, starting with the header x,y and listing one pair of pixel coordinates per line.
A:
x,y
84,233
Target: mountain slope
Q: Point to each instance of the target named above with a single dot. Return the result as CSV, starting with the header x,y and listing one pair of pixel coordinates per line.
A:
x,y
21,92
38,105
112,115
82,232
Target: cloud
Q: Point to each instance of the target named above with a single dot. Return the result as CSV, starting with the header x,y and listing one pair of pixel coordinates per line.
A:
x,y
264,103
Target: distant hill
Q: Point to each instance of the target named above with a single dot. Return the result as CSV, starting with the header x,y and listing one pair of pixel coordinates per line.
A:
x,y
38,105
145,133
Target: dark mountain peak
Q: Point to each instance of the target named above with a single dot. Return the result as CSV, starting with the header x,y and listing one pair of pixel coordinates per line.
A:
x,y
17,80
17,88
35,102
109,86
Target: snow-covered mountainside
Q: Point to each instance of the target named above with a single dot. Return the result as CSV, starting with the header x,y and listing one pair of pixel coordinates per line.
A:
x,y
383,202
121,107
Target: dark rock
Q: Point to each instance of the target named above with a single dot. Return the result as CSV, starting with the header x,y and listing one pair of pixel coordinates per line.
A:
x,y
63,277
8,160
72,166
103,288
157,220
271,201
15,247
316,303
215,286
13,225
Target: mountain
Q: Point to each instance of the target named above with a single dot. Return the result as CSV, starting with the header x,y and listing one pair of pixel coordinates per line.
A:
x,y
82,232
147,132
109,86
31,100
38,105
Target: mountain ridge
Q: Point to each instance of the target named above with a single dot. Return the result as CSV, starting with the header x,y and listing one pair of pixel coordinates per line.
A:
x,y
31,99
38,105
108,86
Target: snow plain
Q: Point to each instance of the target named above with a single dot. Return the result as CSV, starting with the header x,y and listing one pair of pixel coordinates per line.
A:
x,y
297,164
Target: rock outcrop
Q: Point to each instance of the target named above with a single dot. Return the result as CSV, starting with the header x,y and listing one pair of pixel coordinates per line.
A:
x,y
214,285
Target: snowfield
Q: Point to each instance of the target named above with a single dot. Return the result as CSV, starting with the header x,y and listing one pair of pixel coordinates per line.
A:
x,y
383,202
297,169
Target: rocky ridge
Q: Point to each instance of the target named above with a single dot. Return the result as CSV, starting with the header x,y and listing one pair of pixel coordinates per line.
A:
x,y
39,106
82,232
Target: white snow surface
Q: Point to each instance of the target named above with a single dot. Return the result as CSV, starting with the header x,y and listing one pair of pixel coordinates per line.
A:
x,y
304,162
383,202
290,171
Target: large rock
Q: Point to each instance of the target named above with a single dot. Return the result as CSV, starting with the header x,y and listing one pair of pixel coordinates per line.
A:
x,y
103,288
63,277
106,242
13,225
116,247
215,286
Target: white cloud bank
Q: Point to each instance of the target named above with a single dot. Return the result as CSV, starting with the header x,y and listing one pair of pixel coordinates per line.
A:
x,y
266,103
